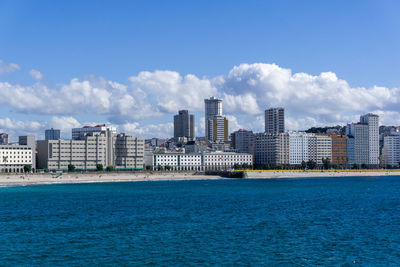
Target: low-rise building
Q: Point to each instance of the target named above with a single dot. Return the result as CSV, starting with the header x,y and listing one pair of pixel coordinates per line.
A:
x,y
200,161
13,158
122,151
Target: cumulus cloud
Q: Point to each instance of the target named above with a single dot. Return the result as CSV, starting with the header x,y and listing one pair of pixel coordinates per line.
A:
x,y
11,67
325,98
164,130
171,91
247,90
35,74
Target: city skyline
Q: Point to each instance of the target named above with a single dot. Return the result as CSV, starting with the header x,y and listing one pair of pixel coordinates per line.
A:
x,y
62,83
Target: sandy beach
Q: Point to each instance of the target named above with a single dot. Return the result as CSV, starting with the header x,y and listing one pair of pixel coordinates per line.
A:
x,y
66,178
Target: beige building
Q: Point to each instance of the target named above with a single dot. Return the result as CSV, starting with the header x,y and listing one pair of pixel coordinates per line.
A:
x,y
13,158
123,151
272,149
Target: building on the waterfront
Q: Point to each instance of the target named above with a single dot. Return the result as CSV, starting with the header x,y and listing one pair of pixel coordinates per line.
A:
x,y
225,160
320,148
78,133
52,134
271,149
363,140
184,125
29,141
200,161
218,129
243,141
299,147
339,149
4,139
391,150
122,151
13,158
372,121
275,120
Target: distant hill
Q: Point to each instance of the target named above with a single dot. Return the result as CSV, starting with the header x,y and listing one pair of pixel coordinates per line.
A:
x,y
338,128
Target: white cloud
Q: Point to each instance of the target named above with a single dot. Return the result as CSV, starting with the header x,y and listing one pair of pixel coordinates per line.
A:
x,y
4,67
164,130
35,74
247,90
172,92
233,123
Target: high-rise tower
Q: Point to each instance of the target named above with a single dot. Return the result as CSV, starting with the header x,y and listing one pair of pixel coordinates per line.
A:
x,y
213,107
184,125
275,120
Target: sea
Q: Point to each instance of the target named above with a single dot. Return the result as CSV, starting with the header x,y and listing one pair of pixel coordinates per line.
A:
x,y
231,222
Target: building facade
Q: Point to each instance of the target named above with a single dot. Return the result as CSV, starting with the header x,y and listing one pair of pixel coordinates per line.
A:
x,y
217,129
4,139
184,125
122,151
13,158
339,149
200,161
363,141
299,147
391,150
243,141
78,133
52,134
213,107
275,120
29,141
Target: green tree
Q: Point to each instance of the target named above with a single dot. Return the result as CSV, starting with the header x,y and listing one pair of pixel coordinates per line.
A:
x,y
326,163
335,166
71,168
149,168
279,167
311,164
267,167
245,166
110,168
27,168
303,165
99,167
364,166
167,167
236,166
355,166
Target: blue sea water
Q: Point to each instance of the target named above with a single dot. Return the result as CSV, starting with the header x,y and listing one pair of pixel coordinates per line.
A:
x,y
312,221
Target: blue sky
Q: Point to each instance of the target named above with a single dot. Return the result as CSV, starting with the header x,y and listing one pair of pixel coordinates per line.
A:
x,y
112,41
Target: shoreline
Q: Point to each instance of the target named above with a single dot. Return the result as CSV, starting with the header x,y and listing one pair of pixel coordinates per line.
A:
x,y
16,179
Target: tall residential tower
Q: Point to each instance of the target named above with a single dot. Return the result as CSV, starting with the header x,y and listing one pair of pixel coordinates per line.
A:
x,y
275,120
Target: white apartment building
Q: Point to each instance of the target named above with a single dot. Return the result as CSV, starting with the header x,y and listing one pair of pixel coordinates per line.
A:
x,y
363,140
391,150
372,121
13,158
320,147
299,143
204,161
